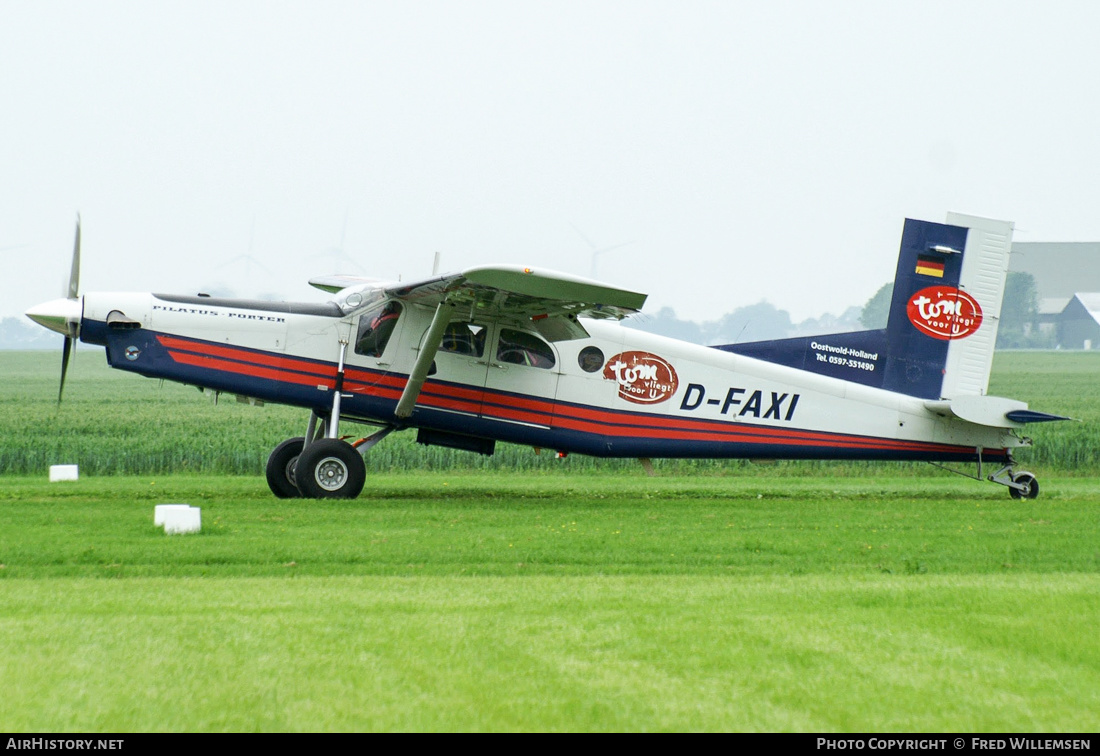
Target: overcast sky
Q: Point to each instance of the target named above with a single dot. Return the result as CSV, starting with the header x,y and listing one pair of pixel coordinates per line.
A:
x,y
737,151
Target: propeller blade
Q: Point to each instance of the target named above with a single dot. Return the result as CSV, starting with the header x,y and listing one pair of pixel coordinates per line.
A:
x,y
66,350
72,328
74,274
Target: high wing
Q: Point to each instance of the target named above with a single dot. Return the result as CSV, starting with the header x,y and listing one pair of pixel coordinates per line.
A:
x,y
512,291
505,292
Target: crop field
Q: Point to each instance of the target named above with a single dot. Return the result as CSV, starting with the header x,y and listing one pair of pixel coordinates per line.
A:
x,y
527,593
117,423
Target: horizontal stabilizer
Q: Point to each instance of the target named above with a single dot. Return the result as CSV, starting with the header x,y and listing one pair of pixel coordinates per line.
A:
x,y
991,411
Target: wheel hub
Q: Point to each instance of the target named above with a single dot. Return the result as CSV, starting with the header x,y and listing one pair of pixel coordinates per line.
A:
x,y
330,473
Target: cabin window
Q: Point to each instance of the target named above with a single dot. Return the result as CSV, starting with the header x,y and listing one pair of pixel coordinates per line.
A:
x,y
375,328
590,359
520,348
464,338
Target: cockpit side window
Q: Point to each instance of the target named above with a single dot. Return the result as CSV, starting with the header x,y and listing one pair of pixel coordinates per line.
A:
x,y
520,348
375,328
464,338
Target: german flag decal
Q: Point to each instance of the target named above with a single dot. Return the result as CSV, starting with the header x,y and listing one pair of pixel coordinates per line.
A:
x,y
929,266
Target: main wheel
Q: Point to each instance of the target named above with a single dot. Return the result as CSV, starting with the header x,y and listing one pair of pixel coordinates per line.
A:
x,y
1030,486
280,468
330,469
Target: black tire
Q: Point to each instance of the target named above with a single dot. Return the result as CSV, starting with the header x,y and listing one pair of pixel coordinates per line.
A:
x,y
1029,481
280,468
330,469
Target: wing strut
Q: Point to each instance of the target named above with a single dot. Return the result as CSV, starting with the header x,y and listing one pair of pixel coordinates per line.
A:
x,y
432,339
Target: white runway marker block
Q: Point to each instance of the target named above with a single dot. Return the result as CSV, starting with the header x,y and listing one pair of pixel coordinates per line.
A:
x,y
63,472
160,511
178,521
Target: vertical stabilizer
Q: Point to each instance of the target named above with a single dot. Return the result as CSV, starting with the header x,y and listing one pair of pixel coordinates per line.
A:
x,y
946,306
923,308
944,312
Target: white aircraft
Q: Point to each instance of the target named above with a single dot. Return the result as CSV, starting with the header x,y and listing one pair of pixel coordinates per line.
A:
x,y
530,356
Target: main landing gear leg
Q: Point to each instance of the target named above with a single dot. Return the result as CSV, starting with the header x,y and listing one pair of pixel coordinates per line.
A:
x,y
321,464
319,468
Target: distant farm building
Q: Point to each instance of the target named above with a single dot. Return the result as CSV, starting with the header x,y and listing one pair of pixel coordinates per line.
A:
x,y
1079,323
1066,275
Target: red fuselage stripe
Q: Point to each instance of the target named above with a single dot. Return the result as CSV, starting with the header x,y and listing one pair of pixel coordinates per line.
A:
x,y
496,405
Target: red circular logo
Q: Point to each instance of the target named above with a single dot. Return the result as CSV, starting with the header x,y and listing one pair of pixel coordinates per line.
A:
x,y
643,378
944,312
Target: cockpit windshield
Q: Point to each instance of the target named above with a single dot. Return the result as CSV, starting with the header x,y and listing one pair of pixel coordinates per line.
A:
x,y
375,328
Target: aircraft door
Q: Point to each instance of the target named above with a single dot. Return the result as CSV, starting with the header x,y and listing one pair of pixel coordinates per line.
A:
x,y
375,344
461,367
523,378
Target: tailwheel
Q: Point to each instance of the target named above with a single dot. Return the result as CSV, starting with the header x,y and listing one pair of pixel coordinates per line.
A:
x,y
280,468
1021,485
330,469
1026,487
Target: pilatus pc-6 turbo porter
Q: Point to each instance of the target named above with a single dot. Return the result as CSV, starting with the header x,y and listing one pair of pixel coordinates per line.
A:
x,y
529,356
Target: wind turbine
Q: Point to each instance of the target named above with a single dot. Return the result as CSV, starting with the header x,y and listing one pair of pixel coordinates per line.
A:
x,y
596,252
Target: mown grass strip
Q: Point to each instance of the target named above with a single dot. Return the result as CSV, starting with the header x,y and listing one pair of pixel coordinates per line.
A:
x,y
643,653
500,602
507,524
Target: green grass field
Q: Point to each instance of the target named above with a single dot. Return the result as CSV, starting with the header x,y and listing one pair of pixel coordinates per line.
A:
x,y
570,596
